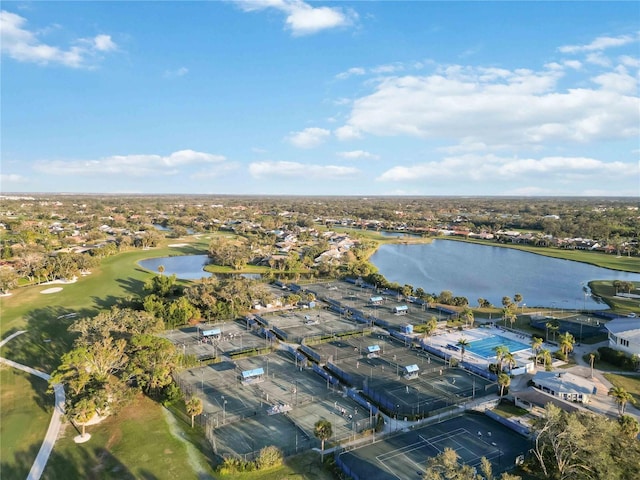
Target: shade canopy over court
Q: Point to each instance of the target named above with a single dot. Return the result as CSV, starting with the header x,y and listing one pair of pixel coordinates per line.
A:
x,y
212,332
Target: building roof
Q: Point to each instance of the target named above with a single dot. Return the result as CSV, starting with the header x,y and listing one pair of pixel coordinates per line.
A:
x,y
411,368
373,348
540,398
564,382
213,331
627,328
256,372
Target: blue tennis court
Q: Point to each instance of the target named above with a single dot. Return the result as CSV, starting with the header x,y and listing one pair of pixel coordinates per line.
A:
x,y
485,347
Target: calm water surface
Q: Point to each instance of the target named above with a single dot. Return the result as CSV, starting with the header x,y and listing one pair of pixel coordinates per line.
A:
x,y
481,271
188,267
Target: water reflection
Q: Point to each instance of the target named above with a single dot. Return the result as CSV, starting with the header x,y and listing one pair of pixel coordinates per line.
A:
x,y
480,271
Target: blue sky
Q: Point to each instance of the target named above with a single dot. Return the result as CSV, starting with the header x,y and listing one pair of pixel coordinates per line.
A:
x,y
321,98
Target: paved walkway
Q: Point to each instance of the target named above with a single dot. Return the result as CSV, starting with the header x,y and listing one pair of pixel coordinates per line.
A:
x,y
56,419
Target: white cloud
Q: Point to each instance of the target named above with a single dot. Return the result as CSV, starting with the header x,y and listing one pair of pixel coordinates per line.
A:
x,y
347,132
24,46
309,137
6,178
132,165
597,58
493,106
599,44
629,61
574,64
302,18
104,43
300,170
179,72
618,81
389,68
472,167
358,155
351,72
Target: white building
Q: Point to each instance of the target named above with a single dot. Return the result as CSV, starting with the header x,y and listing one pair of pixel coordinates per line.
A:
x,y
624,335
565,385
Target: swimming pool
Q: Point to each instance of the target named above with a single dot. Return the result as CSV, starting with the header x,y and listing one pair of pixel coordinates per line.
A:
x,y
485,347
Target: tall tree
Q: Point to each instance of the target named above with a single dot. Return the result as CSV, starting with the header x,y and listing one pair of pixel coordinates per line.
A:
x,y
467,314
517,298
504,381
501,351
81,411
463,343
536,345
323,431
194,407
621,397
566,343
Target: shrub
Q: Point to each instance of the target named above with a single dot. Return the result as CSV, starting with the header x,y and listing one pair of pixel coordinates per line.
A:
x,y
617,358
270,456
560,356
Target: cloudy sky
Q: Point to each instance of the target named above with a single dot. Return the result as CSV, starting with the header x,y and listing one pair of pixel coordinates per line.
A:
x,y
336,98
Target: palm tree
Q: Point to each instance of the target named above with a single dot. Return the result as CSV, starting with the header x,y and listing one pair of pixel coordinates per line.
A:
x,y
323,431
510,360
160,269
592,358
194,407
463,343
566,343
504,380
501,351
536,345
509,314
621,396
553,327
517,298
467,314
430,326
545,353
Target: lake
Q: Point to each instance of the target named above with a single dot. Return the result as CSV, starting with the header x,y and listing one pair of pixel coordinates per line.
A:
x,y
187,267
481,271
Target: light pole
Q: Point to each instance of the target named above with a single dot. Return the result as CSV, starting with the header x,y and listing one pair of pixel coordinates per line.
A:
x,y
202,382
267,367
224,410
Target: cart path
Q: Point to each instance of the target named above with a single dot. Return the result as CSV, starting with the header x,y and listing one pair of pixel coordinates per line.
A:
x,y
56,419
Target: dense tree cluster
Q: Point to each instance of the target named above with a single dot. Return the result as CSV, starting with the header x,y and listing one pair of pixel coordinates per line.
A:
x,y
585,446
115,353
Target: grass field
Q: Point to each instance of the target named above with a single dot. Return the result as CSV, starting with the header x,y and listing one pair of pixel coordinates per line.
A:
x,y
627,264
605,290
117,277
305,466
138,442
630,383
26,411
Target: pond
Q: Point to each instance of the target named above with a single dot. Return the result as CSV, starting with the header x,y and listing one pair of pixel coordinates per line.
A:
x,y
482,271
187,267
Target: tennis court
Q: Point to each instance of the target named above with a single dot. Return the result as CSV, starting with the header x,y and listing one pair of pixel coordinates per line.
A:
x,y
404,456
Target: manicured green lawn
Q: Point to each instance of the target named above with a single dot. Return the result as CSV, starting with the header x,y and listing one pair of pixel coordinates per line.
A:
x,y
605,290
135,443
627,264
43,315
630,383
507,410
26,412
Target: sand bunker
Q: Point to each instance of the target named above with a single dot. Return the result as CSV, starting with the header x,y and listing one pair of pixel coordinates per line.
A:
x,y
52,290
179,245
